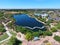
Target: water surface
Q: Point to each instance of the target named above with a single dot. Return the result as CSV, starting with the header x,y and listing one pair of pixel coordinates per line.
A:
x,y
27,21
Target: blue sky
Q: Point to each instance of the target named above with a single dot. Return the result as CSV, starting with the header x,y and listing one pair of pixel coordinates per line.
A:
x,y
10,4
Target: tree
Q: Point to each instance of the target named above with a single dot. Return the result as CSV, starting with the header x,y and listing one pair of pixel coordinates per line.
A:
x,y
58,25
57,38
43,19
28,36
10,24
2,28
40,32
14,41
1,15
47,33
53,29
48,22
20,29
36,34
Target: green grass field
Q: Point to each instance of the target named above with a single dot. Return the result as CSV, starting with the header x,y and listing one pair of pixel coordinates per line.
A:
x,y
4,36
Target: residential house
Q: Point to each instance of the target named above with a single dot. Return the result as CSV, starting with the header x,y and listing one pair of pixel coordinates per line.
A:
x,y
43,15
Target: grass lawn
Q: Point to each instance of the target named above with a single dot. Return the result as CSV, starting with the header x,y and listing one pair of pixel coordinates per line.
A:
x,y
4,43
14,34
4,36
48,43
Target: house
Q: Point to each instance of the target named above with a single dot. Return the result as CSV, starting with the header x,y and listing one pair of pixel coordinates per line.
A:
x,y
54,17
57,18
43,15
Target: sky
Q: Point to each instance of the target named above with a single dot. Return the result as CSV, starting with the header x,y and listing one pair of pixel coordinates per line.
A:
x,y
24,4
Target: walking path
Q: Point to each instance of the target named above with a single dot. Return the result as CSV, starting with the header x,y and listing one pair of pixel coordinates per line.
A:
x,y
25,42
9,34
20,36
40,42
7,31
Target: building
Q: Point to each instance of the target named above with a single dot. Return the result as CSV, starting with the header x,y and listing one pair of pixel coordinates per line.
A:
x,y
43,15
54,17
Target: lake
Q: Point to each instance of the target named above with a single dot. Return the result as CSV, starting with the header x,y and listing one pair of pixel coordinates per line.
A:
x,y
27,21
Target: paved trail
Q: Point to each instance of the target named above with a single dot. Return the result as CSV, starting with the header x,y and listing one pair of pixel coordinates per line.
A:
x,y
7,32
24,42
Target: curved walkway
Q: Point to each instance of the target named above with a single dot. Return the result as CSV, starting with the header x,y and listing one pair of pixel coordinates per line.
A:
x,y
7,31
24,42
40,42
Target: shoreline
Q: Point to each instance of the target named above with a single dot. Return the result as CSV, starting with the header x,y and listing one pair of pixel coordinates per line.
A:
x,y
39,27
34,27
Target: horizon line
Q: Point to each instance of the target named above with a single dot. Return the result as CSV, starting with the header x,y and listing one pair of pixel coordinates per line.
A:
x,y
29,8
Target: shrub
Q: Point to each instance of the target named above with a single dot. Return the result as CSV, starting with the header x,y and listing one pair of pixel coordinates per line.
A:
x,y
36,34
2,28
48,33
28,36
14,41
53,29
57,38
40,32
58,25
